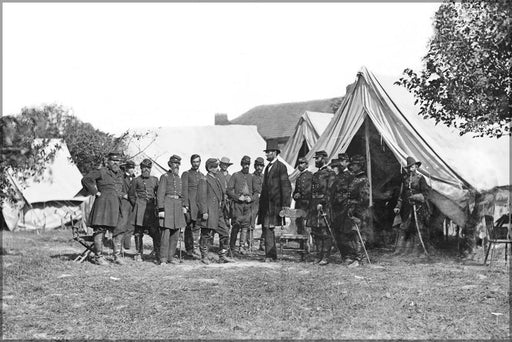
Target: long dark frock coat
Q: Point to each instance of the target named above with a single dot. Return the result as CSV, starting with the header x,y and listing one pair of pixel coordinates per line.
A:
x,y
275,194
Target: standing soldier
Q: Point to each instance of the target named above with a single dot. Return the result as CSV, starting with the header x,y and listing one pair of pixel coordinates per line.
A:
x,y
143,197
210,203
320,190
126,206
224,176
190,180
257,175
106,184
358,201
341,225
241,191
171,210
413,193
275,196
302,193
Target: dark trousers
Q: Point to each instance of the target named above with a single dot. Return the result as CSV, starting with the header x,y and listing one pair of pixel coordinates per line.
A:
x,y
270,242
192,234
154,232
168,243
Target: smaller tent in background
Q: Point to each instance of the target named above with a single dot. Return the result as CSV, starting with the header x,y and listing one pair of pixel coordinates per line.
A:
x,y
311,125
47,201
232,141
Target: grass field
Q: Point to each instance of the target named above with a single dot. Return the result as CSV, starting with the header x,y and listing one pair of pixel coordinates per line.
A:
x,y
46,295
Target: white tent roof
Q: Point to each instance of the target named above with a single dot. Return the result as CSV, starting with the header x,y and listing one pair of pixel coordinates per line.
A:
x,y
453,164
309,128
232,141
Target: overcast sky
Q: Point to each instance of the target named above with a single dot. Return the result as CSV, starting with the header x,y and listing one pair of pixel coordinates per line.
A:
x,y
125,65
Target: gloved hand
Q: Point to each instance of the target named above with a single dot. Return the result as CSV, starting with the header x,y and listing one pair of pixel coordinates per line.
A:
x,y
205,216
248,199
98,194
396,211
241,198
161,214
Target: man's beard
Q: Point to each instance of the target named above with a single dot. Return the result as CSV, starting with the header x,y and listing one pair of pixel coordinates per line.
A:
x,y
146,173
270,158
319,163
175,170
115,168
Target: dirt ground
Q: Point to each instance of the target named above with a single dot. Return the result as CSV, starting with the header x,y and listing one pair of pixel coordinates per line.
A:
x,y
46,295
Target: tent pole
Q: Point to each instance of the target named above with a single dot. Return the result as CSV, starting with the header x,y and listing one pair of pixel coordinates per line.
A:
x,y
368,167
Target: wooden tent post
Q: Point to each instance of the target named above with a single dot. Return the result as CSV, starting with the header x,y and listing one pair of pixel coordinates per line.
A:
x,y
368,168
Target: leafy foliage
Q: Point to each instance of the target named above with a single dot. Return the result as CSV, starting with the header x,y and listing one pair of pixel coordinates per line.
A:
x,y
466,80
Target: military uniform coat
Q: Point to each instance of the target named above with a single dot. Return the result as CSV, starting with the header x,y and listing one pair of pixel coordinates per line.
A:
x,y
303,188
411,185
359,199
257,184
339,201
170,200
321,184
143,196
106,208
190,180
241,184
210,201
275,194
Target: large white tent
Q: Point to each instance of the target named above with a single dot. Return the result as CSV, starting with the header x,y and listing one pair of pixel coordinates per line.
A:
x,y
380,118
232,141
47,201
309,128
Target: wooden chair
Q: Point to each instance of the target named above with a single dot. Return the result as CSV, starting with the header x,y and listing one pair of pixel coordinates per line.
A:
x,y
498,233
82,236
292,236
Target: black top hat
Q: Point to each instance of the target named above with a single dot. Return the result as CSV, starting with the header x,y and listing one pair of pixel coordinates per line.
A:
x,y
272,145
411,161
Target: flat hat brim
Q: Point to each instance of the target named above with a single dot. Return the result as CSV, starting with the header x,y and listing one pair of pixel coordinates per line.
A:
x,y
416,163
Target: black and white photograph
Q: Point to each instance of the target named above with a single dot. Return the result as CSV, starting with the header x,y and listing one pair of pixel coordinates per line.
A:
x,y
256,170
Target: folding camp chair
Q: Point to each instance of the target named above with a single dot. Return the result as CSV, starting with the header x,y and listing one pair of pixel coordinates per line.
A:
x,y
499,233
292,236
82,236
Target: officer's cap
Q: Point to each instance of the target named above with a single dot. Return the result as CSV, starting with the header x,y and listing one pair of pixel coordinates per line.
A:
x,y
343,156
211,162
146,163
321,154
245,160
259,161
175,159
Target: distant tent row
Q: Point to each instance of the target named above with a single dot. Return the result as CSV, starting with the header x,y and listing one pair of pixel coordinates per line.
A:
x,y
232,141
310,127
50,200
379,119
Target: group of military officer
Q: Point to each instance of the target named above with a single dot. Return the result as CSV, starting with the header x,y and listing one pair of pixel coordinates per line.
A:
x,y
335,198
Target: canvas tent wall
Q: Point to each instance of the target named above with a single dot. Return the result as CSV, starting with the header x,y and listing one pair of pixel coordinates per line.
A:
x,y
47,201
232,141
384,118
307,131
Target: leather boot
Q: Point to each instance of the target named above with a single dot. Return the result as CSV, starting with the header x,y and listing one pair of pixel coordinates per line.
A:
x,y
400,244
243,239
139,247
117,250
223,258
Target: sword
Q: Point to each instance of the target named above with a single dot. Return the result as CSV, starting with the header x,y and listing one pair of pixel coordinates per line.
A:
x,y
324,215
418,228
353,219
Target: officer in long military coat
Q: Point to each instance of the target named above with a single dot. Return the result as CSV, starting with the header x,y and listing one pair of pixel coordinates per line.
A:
x,y
275,196
171,210
321,184
358,203
257,175
241,193
106,185
302,192
210,200
413,192
190,180
341,225
142,195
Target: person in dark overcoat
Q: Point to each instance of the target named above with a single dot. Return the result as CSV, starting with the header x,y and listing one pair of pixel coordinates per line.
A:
x,y
302,192
106,185
126,206
171,210
275,196
257,175
241,192
321,184
210,203
413,193
190,180
142,195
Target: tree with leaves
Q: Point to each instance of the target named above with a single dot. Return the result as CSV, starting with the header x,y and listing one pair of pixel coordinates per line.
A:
x,y
466,79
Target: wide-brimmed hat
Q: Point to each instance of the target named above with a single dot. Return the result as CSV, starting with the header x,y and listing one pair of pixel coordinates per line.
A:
x,y
225,160
320,154
259,161
411,161
272,145
115,156
146,163
357,159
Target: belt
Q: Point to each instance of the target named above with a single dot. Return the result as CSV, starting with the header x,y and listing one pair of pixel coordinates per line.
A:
x,y
173,196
